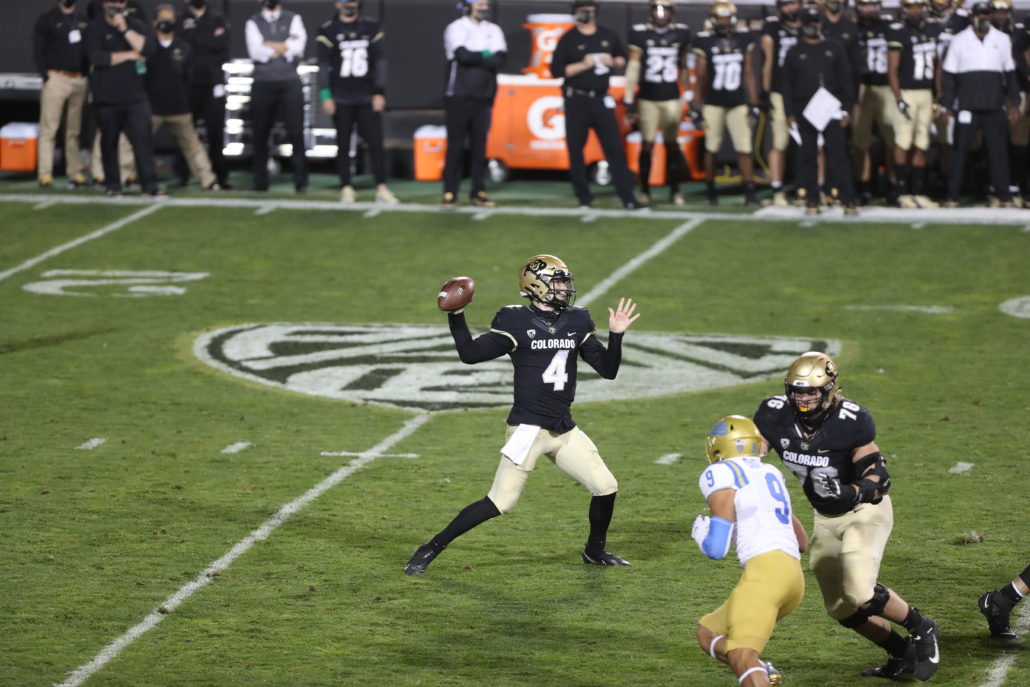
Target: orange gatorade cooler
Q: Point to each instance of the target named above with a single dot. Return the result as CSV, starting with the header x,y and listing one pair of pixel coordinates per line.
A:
x,y
546,30
430,152
18,145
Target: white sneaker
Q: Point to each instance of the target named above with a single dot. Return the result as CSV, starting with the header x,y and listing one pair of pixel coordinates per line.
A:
x,y
907,202
385,197
347,195
780,199
925,202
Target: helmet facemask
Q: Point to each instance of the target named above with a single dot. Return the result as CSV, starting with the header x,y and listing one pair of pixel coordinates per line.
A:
x,y
812,374
661,14
734,436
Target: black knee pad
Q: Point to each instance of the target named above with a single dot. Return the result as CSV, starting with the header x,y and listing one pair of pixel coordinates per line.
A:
x,y
855,619
876,605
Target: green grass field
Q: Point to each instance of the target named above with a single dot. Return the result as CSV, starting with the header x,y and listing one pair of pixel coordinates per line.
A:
x,y
118,493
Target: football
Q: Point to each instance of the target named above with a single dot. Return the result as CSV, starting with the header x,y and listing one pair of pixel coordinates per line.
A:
x,y
456,294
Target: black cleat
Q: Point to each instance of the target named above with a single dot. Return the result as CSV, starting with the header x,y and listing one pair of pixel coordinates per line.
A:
x,y
997,617
422,557
604,558
928,649
895,667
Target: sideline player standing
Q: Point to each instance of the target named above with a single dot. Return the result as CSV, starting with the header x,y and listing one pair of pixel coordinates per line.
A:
x,y
352,85
779,34
828,443
749,504
912,71
726,84
658,49
584,58
543,340
476,51
876,102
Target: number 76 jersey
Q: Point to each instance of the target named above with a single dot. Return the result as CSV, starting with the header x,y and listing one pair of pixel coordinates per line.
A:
x,y
761,503
828,450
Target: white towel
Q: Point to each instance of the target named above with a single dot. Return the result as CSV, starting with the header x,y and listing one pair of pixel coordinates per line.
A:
x,y
521,440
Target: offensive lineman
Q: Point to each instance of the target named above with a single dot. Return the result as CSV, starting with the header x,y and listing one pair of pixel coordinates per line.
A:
x,y
726,85
828,442
779,34
657,54
352,86
912,71
749,503
543,340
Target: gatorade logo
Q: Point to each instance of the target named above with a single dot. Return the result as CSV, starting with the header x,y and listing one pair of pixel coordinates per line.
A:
x,y
546,121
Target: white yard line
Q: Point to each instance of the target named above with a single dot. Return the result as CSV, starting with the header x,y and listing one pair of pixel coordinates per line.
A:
x,y
972,215
114,226
961,467
668,459
999,670
657,249
240,445
91,444
109,652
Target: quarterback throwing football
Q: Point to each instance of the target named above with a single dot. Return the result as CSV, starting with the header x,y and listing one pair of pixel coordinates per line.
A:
x,y
543,339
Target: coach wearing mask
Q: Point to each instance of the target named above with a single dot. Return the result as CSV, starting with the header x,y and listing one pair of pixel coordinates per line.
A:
x,y
275,42
117,47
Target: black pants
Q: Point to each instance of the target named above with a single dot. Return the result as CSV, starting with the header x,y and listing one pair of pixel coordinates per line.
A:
x,y
370,129
134,121
582,113
838,165
204,106
995,130
282,100
466,118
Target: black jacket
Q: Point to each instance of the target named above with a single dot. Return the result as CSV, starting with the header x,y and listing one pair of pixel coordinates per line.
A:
x,y
120,84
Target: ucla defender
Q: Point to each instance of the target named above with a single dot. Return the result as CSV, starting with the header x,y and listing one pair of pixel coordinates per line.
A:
x,y
749,503
828,442
543,338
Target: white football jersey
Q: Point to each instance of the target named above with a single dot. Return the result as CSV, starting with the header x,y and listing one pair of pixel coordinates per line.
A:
x,y
761,502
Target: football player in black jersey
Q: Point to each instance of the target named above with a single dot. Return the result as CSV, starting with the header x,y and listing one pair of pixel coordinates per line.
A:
x,y
543,339
876,102
352,85
779,34
727,94
829,443
657,59
912,71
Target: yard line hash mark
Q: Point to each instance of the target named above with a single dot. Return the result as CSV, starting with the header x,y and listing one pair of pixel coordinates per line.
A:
x,y
114,226
961,467
109,652
91,444
999,669
668,459
239,446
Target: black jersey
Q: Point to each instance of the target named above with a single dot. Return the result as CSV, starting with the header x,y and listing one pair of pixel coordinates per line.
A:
x,y
664,52
543,347
845,32
827,451
1020,44
573,46
726,57
811,66
784,37
918,46
352,60
872,39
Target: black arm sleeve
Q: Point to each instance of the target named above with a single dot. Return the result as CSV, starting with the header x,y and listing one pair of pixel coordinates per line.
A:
x,y
786,85
325,48
948,86
560,59
210,41
605,360
39,36
379,73
844,76
467,57
496,61
1012,88
486,347
98,57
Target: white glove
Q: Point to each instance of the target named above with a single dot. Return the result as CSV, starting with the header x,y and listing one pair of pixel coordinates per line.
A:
x,y
700,530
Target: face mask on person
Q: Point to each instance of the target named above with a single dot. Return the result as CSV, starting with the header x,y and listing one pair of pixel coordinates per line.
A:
x,y
481,15
834,6
114,10
349,10
585,16
810,30
166,26
981,24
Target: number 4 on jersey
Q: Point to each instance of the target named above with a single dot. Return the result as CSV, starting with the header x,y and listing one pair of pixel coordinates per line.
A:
x,y
555,373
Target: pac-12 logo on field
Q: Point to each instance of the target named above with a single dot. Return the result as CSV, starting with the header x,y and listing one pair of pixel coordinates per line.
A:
x,y
412,366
